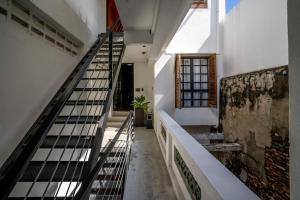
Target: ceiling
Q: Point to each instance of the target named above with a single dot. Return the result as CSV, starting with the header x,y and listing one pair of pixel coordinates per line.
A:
x,y
152,23
134,53
137,14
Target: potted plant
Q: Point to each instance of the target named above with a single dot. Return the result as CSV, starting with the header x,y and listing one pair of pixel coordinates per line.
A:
x,y
140,109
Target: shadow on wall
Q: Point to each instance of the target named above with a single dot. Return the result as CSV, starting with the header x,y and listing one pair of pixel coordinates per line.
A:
x,y
164,91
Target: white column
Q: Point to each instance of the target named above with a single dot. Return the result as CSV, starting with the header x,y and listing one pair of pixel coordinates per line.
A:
x,y
294,81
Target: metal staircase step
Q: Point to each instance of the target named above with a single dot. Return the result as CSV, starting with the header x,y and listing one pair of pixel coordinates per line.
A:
x,y
106,56
106,78
78,119
91,89
116,119
114,124
90,70
97,184
109,177
85,102
68,142
114,154
120,113
99,62
41,198
115,45
72,172
104,50
103,191
115,48
105,197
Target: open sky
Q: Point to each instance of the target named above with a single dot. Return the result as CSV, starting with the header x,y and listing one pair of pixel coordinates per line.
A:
x,y
230,4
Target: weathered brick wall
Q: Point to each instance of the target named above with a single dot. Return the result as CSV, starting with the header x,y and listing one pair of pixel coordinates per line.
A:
x,y
254,112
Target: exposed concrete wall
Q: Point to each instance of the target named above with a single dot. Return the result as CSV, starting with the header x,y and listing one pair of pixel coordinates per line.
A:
x,y
294,59
255,36
255,113
32,70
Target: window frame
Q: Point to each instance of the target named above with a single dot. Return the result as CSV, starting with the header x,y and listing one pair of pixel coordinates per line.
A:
x,y
199,4
192,90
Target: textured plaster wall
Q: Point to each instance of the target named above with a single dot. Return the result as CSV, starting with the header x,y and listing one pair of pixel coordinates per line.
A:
x,y
255,113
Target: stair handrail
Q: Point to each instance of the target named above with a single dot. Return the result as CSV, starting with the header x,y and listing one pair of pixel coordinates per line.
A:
x,y
86,185
13,168
113,76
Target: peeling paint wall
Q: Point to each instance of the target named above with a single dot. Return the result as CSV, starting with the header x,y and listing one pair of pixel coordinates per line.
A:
x,y
255,113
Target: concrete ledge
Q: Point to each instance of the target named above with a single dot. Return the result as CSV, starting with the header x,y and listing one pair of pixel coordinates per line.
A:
x,y
222,147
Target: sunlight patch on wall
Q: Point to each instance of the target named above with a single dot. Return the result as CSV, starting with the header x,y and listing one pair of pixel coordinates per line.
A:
x,y
192,33
160,63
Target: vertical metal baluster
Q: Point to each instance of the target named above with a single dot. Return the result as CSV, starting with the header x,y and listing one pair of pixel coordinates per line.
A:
x,y
110,59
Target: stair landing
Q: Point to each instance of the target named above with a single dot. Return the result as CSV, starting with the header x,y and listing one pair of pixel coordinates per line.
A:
x,y
113,125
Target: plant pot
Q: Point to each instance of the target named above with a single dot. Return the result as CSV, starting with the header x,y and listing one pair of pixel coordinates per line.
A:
x,y
139,117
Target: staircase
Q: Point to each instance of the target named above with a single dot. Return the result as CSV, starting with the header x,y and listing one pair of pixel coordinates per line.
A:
x,y
62,156
117,118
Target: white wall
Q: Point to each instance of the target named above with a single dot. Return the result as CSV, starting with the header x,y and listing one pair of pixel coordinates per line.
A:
x,y
198,33
31,70
169,16
84,19
294,74
255,36
164,84
143,79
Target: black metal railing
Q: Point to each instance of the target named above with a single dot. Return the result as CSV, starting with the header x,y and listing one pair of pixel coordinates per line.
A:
x,y
121,150
84,112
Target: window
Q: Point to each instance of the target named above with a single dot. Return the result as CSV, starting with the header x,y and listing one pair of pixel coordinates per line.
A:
x,y
195,81
199,4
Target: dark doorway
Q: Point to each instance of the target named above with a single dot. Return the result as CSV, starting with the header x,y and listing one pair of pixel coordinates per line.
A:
x,y
123,96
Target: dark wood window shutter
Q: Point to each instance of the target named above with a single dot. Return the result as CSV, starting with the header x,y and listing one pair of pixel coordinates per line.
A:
x,y
199,4
178,81
212,81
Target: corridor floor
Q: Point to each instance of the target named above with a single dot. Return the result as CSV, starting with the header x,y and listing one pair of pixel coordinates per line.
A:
x,y
147,177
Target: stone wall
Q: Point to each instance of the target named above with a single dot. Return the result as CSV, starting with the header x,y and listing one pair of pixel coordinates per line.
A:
x,y
255,113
